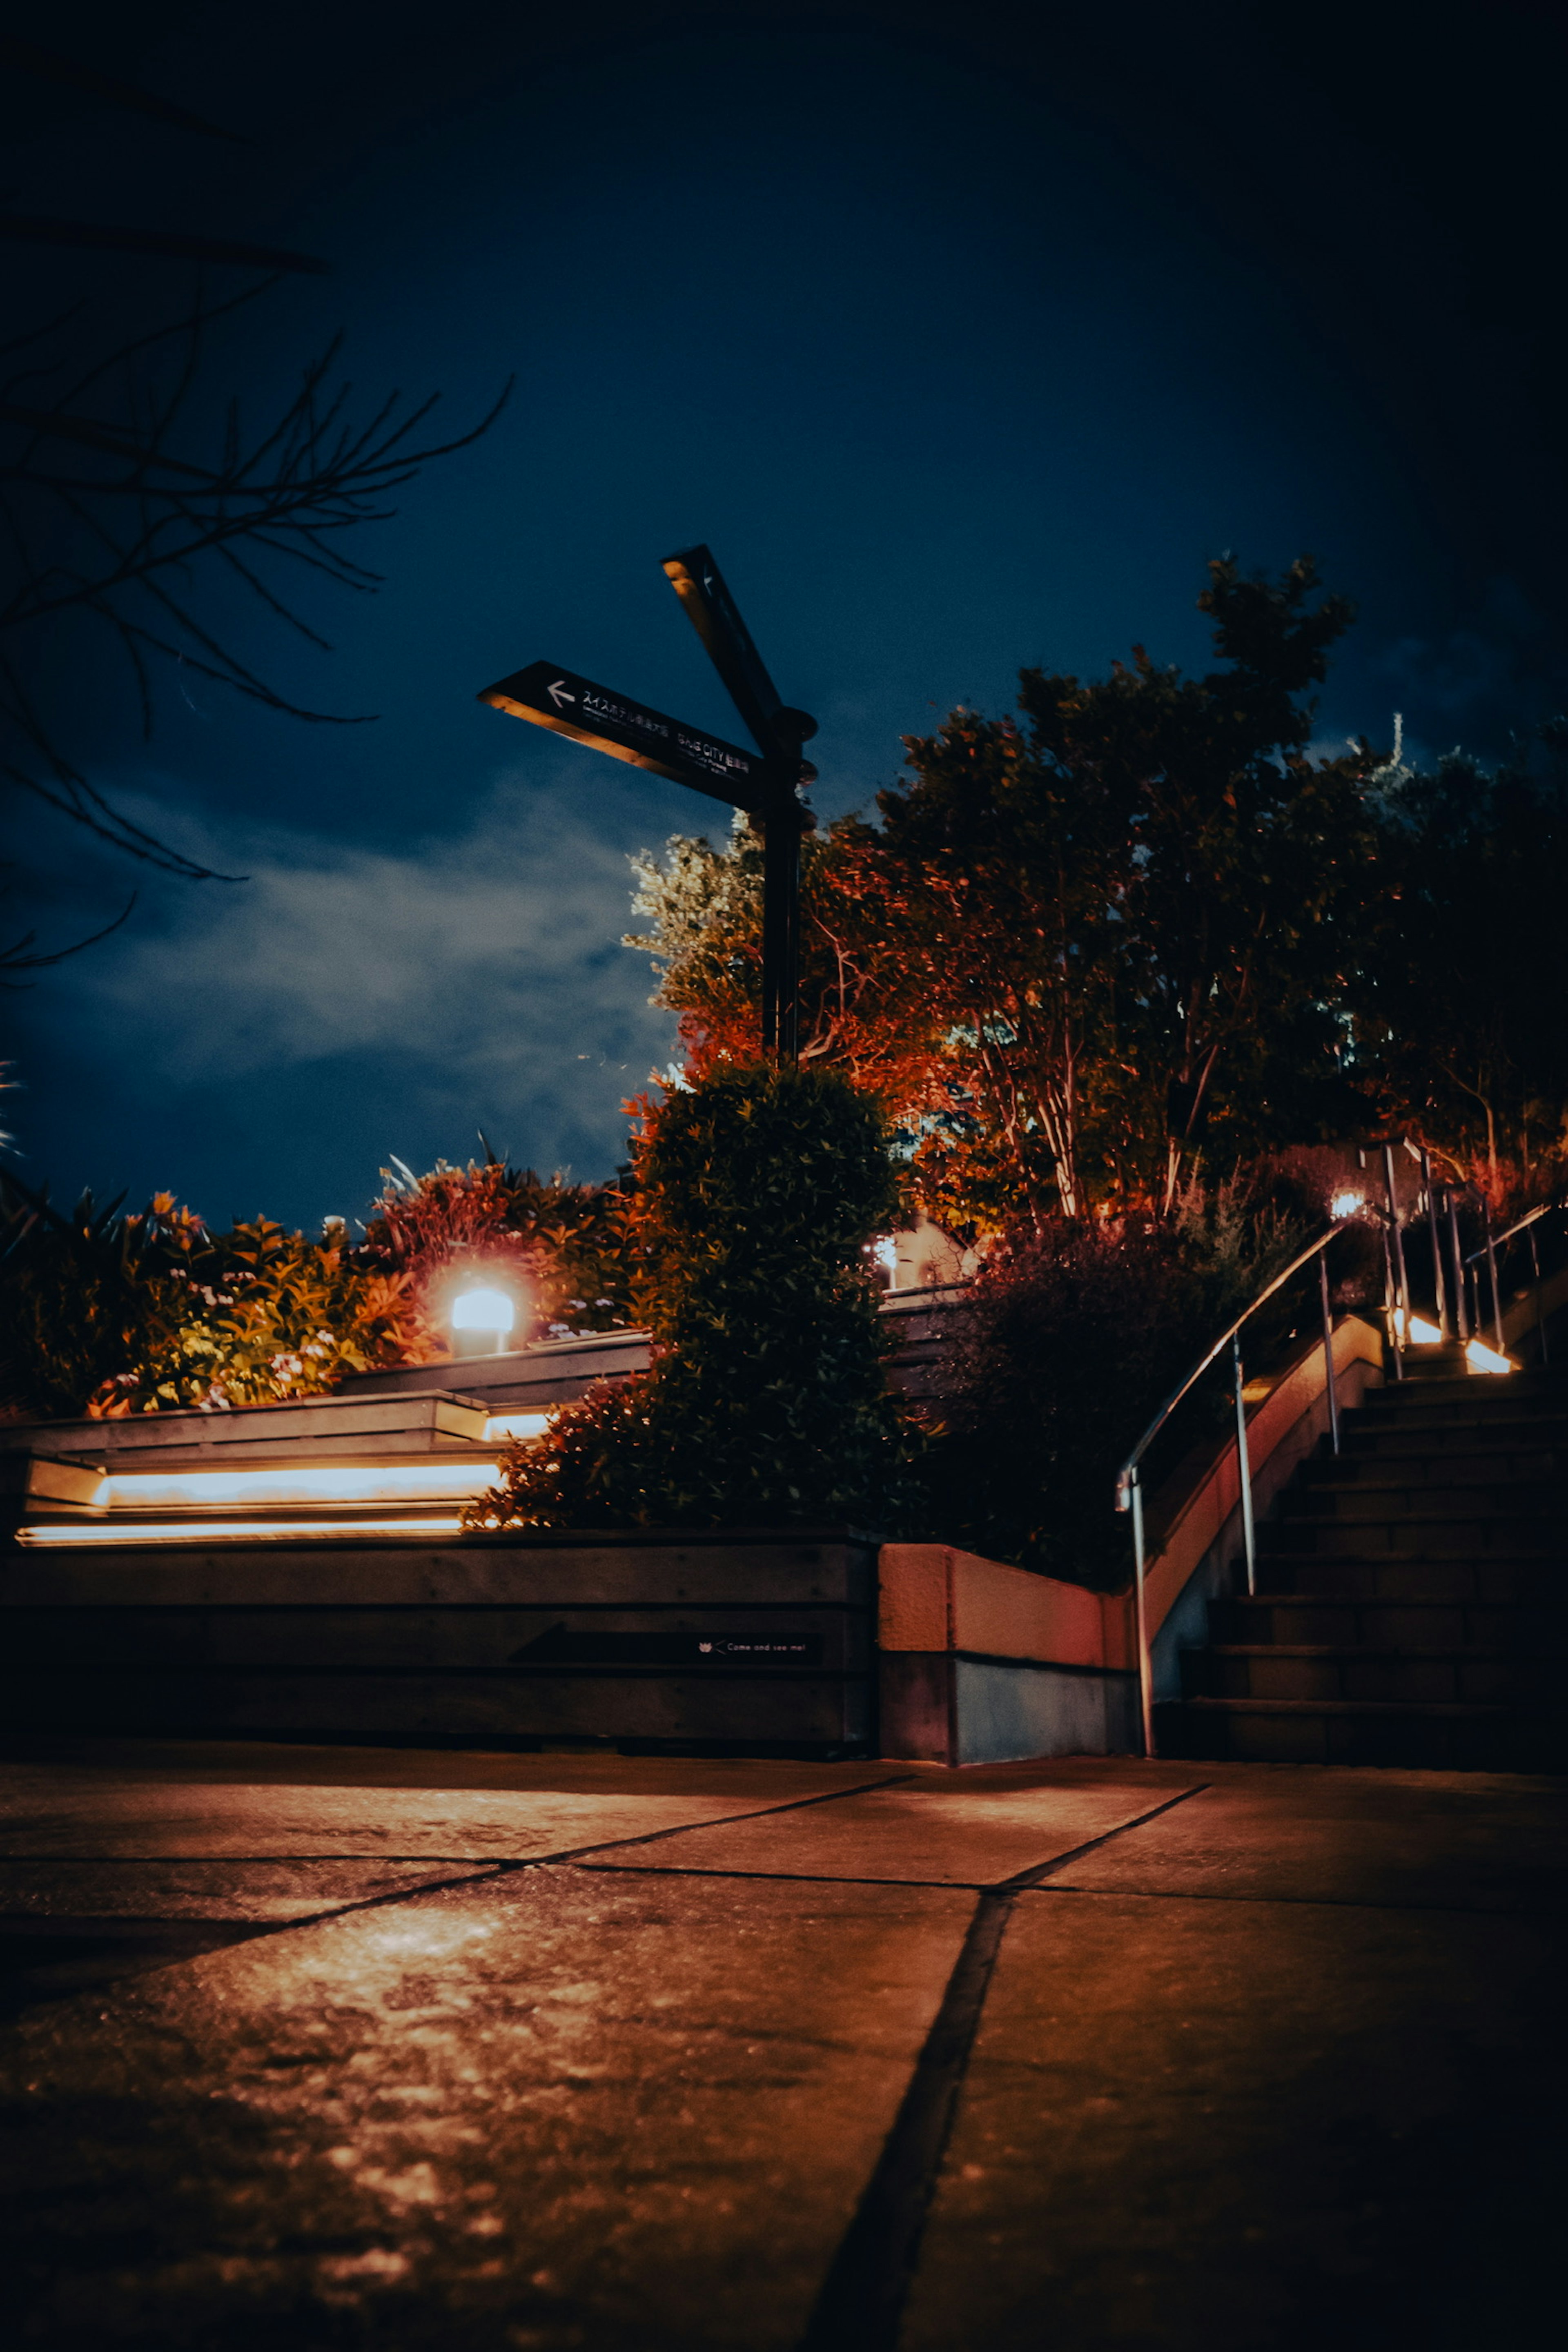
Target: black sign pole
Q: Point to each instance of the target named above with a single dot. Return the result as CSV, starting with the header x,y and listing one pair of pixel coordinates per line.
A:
x,y
714,614
763,782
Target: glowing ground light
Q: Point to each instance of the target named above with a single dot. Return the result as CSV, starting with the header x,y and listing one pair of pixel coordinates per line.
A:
x,y
483,1310
1421,1333
1346,1204
1482,1359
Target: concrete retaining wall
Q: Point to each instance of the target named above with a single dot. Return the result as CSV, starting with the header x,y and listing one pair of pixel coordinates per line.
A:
x,y
981,1662
736,1641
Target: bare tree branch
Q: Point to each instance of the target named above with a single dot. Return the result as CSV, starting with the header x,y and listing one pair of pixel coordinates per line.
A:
x,y
17,954
111,513
28,58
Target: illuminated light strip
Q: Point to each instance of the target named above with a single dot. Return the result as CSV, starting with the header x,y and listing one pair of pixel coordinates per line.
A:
x,y
392,1482
197,1531
1422,1333
1482,1359
515,1425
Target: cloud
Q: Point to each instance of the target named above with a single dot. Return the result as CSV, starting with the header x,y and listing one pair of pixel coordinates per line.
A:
x,y
493,953
1495,674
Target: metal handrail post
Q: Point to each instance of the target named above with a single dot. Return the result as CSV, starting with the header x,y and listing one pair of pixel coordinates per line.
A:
x,y
1391,1309
1328,1350
1540,1302
1244,1472
1439,1283
1402,1300
1462,1317
1497,1295
1146,1663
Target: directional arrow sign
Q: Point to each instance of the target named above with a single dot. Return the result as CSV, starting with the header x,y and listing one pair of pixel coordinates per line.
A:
x,y
570,705
713,612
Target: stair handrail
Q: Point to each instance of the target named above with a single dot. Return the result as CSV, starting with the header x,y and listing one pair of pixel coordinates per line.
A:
x,y
1489,1250
1129,1483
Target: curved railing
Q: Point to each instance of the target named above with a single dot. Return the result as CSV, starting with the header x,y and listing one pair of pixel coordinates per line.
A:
x,y
1129,1483
1488,1251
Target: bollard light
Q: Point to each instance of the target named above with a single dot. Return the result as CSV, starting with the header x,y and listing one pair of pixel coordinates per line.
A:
x,y
482,1322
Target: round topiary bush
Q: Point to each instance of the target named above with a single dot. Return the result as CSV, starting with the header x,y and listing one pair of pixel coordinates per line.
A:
x,y
766,1400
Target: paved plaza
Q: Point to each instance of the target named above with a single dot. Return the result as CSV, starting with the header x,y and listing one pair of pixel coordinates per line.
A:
x,y
337,2048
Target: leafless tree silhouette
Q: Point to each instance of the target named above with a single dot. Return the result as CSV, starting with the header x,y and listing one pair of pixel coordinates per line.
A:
x,y
111,510
118,507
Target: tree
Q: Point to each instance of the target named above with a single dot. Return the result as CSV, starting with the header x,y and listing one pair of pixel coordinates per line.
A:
x,y
1459,1029
1083,945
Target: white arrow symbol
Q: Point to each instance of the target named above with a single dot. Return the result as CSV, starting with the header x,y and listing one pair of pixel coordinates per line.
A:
x,y
558,694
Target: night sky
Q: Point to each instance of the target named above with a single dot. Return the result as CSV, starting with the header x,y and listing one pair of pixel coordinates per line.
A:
x,y
963,336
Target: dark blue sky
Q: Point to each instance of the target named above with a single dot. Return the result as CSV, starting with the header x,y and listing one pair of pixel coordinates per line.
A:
x,y
963,338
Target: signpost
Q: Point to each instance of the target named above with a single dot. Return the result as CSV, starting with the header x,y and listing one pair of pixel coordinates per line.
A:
x,y
762,783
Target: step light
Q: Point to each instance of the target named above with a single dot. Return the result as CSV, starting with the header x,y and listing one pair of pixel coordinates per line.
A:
x,y
323,1482
79,1533
1482,1359
501,1426
1422,1333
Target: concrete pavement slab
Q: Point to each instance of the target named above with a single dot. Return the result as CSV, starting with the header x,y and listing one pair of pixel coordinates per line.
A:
x,y
79,1761
79,1815
556,2108
1306,1834
1214,2127
958,1830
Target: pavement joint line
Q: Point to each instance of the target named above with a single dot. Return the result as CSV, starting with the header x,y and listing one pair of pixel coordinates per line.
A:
x,y
1551,1908
785,1877
1042,1870
860,2304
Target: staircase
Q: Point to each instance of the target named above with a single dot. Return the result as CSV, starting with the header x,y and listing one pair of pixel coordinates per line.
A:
x,y
1411,1602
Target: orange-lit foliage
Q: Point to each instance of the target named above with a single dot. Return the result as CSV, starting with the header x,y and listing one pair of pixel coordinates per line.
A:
x,y
567,1244
109,1315
1082,947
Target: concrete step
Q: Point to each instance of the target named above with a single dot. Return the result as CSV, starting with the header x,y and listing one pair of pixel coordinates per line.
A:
x,y
1499,1627
1361,1432
1443,1404
1430,1366
1453,1736
1509,1458
1539,1533
1399,1497
1322,1671
1415,1576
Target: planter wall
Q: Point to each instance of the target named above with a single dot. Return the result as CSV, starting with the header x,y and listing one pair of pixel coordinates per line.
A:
x,y
749,1641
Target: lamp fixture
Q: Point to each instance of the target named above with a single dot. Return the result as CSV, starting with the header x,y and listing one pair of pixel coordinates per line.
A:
x,y
482,1321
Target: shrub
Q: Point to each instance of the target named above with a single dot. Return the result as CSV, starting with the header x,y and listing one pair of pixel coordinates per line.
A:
x,y
110,1314
256,1316
767,1397
1064,1349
